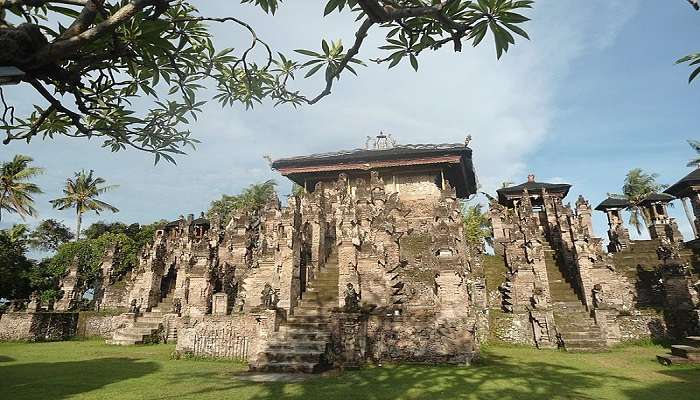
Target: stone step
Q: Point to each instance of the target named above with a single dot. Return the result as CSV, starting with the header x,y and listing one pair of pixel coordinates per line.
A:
x,y
298,325
693,340
286,367
581,334
290,355
147,329
689,352
146,324
316,345
306,336
307,318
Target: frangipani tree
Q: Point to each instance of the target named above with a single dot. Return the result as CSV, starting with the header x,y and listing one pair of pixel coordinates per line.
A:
x,y
88,60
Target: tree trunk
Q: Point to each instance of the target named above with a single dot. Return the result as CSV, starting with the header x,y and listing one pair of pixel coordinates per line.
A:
x,y
690,216
77,228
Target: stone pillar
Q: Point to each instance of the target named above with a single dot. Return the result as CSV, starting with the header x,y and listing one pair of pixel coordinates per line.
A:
x,y
617,233
289,261
695,204
70,288
583,212
200,289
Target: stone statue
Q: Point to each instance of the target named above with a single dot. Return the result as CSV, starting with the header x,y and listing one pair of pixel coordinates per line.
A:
x,y
134,308
34,302
351,298
538,300
177,306
269,297
598,296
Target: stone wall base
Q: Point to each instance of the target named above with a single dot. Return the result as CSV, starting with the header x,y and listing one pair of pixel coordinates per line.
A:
x,y
39,326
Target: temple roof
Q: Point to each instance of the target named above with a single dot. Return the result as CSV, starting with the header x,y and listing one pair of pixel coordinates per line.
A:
x,y
514,192
657,198
453,158
176,223
612,203
683,187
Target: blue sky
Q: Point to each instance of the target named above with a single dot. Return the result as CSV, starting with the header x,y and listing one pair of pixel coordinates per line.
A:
x,y
592,95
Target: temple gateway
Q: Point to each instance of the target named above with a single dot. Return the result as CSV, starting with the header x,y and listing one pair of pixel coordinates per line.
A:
x,y
369,263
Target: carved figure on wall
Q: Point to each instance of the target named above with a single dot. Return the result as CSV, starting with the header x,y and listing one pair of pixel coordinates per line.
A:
x,y
538,300
134,307
352,299
269,297
34,302
177,306
598,296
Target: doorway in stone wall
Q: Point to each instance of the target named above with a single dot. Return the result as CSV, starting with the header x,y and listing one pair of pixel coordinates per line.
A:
x,y
167,283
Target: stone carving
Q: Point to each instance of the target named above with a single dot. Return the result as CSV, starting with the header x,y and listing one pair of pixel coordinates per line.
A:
x,y
352,299
268,297
34,302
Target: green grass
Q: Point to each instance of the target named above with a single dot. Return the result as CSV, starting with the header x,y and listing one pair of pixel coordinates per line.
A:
x,y
93,370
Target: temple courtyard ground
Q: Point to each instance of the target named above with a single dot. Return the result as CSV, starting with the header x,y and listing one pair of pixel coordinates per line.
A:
x,y
93,370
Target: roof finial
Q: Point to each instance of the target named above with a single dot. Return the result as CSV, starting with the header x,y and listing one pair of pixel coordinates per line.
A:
x,y
467,140
383,141
531,178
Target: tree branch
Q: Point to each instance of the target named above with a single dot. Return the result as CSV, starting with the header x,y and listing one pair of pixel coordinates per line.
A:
x,y
84,20
360,36
40,3
59,49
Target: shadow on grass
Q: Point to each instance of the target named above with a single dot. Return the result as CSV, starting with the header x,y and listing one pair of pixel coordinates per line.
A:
x,y
685,385
60,380
6,359
496,378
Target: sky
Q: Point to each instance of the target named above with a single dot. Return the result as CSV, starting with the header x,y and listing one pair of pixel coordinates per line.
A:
x,y
594,93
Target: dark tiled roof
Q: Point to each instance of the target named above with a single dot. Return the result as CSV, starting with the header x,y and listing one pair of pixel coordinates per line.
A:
x,y
532,187
172,224
657,197
200,221
612,202
679,187
398,151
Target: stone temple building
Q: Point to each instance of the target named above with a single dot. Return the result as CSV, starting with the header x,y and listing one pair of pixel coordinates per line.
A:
x,y
561,288
369,263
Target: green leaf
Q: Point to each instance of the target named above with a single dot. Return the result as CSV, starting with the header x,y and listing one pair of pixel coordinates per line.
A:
x,y
414,61
694,74
307,53
313,70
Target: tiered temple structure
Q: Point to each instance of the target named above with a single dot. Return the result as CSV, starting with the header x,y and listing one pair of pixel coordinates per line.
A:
x,y
561,288
369,262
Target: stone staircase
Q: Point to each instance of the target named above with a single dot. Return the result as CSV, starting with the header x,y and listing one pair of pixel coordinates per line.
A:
x,y
683,353
145,328
300,344
574,323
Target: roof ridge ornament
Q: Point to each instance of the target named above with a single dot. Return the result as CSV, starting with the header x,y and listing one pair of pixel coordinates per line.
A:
x,y
380,142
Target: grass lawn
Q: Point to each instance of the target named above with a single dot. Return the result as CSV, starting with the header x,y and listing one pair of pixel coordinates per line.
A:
x,y
93,370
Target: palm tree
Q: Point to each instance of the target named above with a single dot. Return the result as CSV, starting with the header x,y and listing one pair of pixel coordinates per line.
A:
x,y
638,185
15,189
81,193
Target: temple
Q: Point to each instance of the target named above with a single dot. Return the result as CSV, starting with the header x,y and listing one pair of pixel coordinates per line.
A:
x,y
368,262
